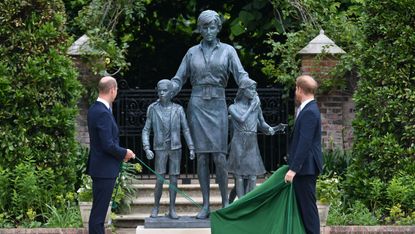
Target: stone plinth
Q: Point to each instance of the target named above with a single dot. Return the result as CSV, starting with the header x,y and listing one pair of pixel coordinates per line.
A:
x,y
142,230
182,222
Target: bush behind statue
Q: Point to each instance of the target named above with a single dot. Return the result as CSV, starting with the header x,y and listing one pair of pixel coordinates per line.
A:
x,y
38,96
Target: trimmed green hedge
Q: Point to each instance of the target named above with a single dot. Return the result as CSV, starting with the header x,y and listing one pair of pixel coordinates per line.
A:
x,y
39,91
383,172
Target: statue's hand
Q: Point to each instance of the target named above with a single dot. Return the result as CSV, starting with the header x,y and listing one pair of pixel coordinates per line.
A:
x,y
280,128
192,154
271,131
149,154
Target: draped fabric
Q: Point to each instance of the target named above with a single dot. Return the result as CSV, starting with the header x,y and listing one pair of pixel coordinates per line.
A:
x,y
271,208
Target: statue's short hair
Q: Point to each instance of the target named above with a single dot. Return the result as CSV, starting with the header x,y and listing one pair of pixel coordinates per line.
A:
x,y
166,81
106,84
208,16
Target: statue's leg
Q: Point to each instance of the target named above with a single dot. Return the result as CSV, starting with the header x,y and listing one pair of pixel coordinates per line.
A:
x,y
157,196
239,186
204,181
251,183
172,193
232,194
222,176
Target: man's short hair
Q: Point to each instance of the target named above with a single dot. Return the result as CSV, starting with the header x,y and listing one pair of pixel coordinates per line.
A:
x,y
307,84
106,84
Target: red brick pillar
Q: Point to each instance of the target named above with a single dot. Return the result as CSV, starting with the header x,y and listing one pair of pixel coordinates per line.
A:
x,y
78,50
318,58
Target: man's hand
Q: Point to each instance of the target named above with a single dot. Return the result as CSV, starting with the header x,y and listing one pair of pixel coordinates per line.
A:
x,y
192,154
289,177
129,155
149,154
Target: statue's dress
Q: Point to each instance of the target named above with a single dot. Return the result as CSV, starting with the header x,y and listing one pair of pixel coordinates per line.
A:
x,y
244,156
207,112
270,208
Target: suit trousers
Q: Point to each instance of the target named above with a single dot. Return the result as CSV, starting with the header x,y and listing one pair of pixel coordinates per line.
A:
x,y
102,191
305,192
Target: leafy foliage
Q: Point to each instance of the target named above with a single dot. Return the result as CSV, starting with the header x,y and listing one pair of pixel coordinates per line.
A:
x,y
384,128
354,214
379,37
123,193
65,217
304,19
38,97
100,19
158,41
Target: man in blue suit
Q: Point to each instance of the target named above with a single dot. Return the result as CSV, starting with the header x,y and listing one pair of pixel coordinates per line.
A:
x,y
105,156
305,156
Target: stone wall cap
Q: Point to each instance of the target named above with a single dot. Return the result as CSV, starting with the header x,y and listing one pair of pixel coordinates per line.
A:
x,y
321,44
80,46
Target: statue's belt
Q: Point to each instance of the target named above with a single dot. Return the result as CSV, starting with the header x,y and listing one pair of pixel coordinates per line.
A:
x,y
208,92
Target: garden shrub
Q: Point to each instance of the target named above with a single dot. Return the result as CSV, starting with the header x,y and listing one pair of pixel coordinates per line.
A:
x,y
379,40
39,91
384,128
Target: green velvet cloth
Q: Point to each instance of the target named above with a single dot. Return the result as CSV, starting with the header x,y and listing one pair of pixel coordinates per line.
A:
x,y
270,208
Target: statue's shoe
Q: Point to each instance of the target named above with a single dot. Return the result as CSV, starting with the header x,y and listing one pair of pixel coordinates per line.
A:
x,y
172,214
203,214
154,212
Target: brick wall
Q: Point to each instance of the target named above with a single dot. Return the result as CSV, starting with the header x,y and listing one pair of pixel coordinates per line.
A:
x,y
337,113
337,108
88,79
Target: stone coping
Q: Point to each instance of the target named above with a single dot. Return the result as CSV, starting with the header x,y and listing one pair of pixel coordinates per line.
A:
x,y
368,229
47,231
324,230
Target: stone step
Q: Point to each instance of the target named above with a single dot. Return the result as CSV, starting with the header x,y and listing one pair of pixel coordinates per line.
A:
x,y
141,206
192,190
145,205
141,209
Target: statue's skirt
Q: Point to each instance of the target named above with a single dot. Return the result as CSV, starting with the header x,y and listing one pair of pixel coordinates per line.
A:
x,y
208,123
270,208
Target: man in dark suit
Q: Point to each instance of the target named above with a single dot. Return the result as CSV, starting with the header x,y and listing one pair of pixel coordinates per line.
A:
x,y
105,156
305,156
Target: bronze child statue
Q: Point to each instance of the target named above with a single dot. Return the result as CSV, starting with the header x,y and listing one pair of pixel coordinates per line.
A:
x,y
245,162
166,119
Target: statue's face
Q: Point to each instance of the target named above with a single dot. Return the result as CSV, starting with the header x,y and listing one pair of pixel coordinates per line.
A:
x,y
163,92
250,92
209,31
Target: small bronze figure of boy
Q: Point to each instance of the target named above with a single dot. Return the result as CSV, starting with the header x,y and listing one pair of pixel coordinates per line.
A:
x,y
166,119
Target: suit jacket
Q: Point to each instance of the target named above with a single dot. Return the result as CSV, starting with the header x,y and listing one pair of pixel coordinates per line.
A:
x,y
305,155
177,121
105,155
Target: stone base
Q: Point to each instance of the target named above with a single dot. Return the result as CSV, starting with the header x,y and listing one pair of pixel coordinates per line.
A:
x,y
142,230
182,222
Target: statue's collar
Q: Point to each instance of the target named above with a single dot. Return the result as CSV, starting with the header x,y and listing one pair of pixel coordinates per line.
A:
x,y
218,44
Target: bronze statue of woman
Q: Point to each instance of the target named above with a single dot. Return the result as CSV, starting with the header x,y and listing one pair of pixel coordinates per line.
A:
x,y
208,66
